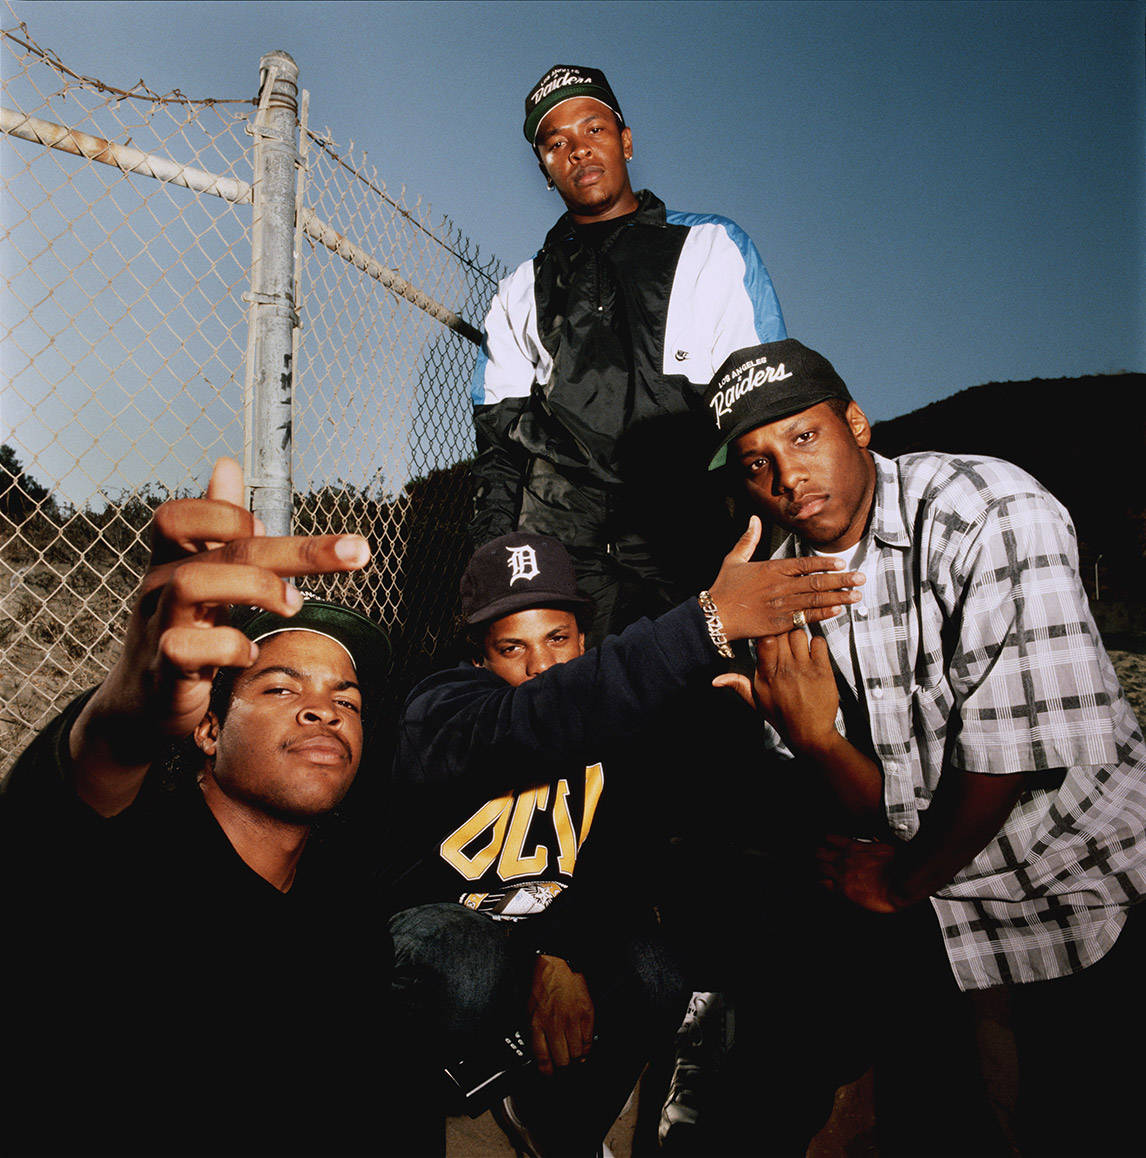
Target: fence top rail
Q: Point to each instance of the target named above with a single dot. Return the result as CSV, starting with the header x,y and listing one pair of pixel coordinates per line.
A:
x,y
123,157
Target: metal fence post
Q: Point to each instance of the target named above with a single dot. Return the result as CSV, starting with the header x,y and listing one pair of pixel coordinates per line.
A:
x,y
270,368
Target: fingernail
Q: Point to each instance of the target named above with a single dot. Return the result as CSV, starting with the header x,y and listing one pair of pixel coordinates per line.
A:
x,y
293,596
352,549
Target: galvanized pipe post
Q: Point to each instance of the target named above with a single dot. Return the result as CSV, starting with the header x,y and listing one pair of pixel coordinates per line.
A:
x,y
270,369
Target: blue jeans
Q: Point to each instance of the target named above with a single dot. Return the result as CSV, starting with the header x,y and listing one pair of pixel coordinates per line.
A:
x,y
462,979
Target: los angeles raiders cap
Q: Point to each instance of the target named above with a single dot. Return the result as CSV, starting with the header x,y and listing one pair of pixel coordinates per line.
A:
x,y
563,82
762,384
516,571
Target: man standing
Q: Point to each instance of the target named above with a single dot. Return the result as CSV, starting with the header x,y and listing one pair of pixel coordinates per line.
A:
x,y
596,353
190,962
983,765
526,900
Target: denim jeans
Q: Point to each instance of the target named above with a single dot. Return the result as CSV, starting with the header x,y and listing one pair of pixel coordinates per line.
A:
x,y
461,981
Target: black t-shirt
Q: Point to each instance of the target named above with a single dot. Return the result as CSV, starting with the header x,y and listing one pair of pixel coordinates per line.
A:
x,y
594,234
164,998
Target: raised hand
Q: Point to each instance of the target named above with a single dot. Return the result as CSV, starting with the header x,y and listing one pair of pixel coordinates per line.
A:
x,y
207,553
796,690
756,599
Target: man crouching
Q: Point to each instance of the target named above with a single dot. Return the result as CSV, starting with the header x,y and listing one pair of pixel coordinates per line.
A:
x,y
528,814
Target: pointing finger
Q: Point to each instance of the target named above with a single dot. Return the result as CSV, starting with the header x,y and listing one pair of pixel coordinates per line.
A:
x,y
226,484
297,554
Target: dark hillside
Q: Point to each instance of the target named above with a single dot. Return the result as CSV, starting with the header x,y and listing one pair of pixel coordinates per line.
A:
x,y
1084,439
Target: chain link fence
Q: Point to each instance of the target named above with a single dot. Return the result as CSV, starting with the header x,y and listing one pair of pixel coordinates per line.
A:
x,y
133,229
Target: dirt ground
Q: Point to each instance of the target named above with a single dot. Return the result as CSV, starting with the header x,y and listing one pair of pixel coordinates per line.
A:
x,y
847,1134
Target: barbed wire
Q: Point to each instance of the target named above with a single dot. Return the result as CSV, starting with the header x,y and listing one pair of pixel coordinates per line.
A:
x,y
174,97
141,91
126,341
326,144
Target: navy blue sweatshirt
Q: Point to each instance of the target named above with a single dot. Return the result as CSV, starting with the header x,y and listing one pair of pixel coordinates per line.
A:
x,y
498,787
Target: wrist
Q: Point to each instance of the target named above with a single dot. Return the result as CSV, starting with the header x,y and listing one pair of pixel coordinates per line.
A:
x,y
714,624
824,747
544,959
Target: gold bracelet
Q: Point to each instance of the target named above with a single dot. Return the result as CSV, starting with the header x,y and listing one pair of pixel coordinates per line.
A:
x,y
715,627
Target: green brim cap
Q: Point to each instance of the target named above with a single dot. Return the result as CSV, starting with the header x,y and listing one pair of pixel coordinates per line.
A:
x,y
366,642
563,82
762,384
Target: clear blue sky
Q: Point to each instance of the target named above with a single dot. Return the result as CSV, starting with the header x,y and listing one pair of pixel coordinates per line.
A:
x,y
945,193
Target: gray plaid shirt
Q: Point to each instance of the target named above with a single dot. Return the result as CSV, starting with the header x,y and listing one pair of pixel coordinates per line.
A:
x,y
977,650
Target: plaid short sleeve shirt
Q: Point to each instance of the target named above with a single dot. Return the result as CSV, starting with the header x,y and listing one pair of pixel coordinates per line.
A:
x,y
976,650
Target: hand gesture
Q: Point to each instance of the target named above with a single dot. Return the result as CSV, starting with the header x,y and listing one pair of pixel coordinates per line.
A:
x,y
757,599
206,554
560,1015
794,689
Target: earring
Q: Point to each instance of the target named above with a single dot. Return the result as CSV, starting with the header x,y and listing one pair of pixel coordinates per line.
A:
x,y
549,184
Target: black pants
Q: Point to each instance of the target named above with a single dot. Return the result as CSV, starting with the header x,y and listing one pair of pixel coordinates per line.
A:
x,y
823,990
462,983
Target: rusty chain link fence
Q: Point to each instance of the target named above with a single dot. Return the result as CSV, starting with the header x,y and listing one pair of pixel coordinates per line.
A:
x,y
190,278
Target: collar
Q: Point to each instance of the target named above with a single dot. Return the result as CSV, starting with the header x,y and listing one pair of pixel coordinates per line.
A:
x,y
888,524
650,211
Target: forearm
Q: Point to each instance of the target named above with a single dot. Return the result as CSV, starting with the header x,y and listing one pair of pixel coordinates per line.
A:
x,y
470,725
853,782
498,472
46,780
110,756
967,811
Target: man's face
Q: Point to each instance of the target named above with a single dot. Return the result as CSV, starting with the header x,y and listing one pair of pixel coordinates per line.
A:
x,y
811,474
583,151
520,646
292,737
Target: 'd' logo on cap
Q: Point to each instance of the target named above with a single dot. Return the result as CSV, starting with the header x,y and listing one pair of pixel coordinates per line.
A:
x,y
743,380
522,564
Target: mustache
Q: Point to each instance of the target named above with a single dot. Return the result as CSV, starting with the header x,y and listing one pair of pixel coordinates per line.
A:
x,y
319,734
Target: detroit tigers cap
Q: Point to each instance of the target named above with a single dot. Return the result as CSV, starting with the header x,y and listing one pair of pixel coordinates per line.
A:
x,y
516,571
563,82
364,640
762,384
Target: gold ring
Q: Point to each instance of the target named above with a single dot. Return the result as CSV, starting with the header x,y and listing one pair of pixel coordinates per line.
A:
x,y
799,619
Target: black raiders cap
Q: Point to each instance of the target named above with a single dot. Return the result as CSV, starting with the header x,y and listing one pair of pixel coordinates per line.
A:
x,y
366,642
563,82
762,384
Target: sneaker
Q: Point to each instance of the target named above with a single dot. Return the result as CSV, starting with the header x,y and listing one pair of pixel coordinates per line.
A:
x,y
702,1041
506,1116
